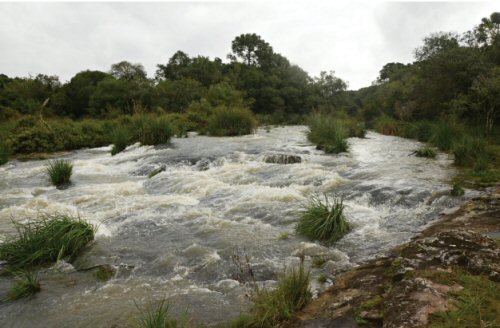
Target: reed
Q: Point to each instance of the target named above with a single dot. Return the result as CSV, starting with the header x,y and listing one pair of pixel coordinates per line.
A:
x,y
59,171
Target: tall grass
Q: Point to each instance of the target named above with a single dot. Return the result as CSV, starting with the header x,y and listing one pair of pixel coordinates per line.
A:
x,y
323,221
470,150
155,130
231,122
426,151
121,139
45,240
26,284
446,135
59,171
387,125
4,153
422,130
280,304
328,134
157,315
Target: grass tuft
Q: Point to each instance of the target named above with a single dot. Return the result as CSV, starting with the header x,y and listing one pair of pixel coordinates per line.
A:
x,y
446,135
457,190
328,134
46,240
154,130
59,171
4,153
426,151
323,221
26,284
121,139
322,278
292,294
158,316
231,122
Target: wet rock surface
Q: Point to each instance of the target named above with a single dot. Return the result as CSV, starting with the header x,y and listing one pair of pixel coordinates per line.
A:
x,y
282,159
388,292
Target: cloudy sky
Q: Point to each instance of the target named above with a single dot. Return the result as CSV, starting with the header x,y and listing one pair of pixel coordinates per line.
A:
x,y
353,39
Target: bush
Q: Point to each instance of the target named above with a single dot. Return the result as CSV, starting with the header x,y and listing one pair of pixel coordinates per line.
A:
x,y
469,150
154,130
59,171
291,294
46,240
422,131
445,135
328,134
323,221
387,125
121,139
4,153
158,316
231,122
426,152
26,284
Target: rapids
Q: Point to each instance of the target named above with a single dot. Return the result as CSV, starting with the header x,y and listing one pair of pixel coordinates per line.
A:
x,y
175,235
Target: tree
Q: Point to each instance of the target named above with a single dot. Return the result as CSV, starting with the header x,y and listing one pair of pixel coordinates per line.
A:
x,y
125,70
435,44
175,68
176,95
251,49
487,90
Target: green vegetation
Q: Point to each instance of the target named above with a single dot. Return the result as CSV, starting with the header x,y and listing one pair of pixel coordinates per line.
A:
x,y
26,284
59,171
476,305
4,153
457,190
154,130
323,221
104,273
231,122
121,139
318,261
284,236
322,278
327,133
387,125
45,240
272,307
157,315
426,151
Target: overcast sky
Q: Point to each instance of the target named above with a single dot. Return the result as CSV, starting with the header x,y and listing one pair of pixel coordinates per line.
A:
x,y
353,39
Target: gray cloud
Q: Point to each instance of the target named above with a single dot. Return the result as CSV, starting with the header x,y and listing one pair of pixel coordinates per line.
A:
x,y
353,39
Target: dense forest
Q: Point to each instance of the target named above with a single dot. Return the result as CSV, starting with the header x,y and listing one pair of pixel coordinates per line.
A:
x,y
455,80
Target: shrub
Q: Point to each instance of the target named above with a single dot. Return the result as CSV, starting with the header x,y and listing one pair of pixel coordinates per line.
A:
x,y
154,130
59,171
4,153
422,131
291,294
469,150
158,316
426,152
323,221
121,139
328,134
231,122
26,284
445,135
46,240
387,125
457,190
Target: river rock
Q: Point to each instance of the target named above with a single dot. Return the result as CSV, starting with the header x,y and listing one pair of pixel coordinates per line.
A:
x,y
282,159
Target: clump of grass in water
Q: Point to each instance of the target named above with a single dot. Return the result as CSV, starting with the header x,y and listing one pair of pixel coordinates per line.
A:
x,y
426,151
157,315
121,139
45,240
323,221
153,130
328,134
284,236
59,171
231,122
291,294
322,278
457,190
26,284
446,135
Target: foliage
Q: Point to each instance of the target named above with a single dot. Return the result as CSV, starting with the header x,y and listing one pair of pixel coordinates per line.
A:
x,y
153,130
323,221
426,151
157,315
446,135
292,293
231,122
387,125
457,190
4,153
26,284
470,150
121,139
48,239
59,171
327,133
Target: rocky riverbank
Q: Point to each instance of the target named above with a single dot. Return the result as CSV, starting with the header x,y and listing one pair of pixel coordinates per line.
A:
x,y
441,270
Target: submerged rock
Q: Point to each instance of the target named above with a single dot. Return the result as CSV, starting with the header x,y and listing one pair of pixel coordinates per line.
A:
x,y
282,159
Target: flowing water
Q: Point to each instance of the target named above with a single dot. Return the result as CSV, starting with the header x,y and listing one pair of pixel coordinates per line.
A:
x,y
178,234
